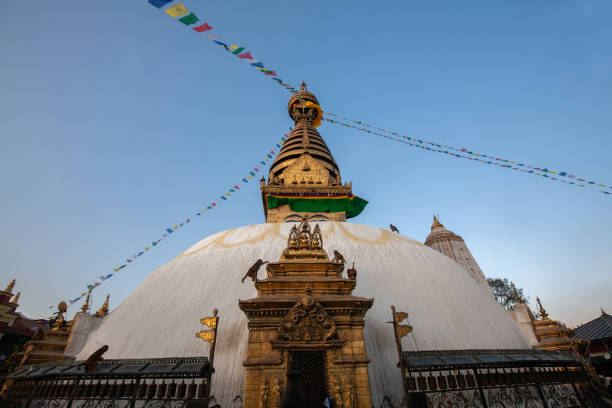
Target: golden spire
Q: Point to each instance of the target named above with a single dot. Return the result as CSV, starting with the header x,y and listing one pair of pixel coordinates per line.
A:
x,y
436,223
85,307
541,310
16,298
10,286
515,294
104,309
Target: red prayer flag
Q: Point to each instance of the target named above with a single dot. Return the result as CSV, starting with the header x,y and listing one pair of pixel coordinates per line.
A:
x,y
246,55
202,28
273,73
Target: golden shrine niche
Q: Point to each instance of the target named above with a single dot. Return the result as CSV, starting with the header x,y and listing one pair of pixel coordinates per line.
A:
x,y
305,318
304,170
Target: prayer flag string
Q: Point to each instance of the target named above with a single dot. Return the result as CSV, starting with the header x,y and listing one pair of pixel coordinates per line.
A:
x,y
421,144
188,18
171,230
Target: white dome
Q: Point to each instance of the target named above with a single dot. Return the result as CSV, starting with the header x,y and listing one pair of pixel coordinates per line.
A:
x,y
447,308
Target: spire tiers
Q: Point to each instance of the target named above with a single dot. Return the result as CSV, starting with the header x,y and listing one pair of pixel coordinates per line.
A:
x,y
551,334
104,309
85,307
16,298
9,288
453,246
304,179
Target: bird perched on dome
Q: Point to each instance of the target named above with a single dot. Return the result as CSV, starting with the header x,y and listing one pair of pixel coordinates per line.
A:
x,y
393,228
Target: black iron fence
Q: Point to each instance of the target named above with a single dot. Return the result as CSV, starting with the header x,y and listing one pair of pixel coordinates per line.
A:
x,y
497,378
139,383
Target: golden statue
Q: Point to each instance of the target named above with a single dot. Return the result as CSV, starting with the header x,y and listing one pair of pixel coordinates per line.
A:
x,y
349,394
337,393
263,394
277,392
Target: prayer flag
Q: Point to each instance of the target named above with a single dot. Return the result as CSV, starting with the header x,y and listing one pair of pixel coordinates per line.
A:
x,y
209,208
177,10
202,28
236,187
189,19
188,219
222,44
252,174
128,260
212,37
140,253
169,230
238,51
159,3
90,287
246,55
175,227
147,248
223,198
97,284
271,73
245,180
257,64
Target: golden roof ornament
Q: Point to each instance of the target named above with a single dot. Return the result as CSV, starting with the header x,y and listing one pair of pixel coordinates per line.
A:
x,y
304,243
543,314
104,309
436,223
16,298
10,286
62,307
85,307
515,295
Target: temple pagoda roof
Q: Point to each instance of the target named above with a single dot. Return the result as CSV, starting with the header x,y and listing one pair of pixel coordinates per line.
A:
x,y
599,328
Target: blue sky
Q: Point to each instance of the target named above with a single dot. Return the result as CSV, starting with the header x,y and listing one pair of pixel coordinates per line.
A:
x,y
117,121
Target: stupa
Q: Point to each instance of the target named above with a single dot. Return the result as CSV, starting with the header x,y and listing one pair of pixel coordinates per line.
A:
x,y
447,307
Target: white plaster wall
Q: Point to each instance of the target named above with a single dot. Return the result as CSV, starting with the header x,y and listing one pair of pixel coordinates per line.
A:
x,y
84,324
521,315
448,309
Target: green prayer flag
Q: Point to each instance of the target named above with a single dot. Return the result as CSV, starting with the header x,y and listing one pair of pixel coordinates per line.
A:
x,y
238,51
189,19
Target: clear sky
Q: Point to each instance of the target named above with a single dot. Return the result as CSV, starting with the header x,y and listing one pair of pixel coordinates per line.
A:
x,y
117,121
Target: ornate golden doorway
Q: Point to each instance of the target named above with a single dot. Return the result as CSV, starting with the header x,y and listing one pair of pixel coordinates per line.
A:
x,y
311,364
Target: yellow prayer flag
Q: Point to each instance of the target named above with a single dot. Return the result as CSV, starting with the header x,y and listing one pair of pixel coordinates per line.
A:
x,y
207,335
399,316
233,47
403,330
177,11
147,248
209,321
175,227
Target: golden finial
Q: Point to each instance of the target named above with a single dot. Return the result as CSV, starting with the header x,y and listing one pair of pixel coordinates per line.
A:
x,y
85,307
10,286
16,298
436,222
104,309
541,310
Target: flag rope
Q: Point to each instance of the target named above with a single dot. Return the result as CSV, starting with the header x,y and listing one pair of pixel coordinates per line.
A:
x,y
190,19
491,161
170,230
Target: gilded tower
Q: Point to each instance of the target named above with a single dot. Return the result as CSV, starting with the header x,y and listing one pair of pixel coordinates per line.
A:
x,y
306,319
452,245
304,179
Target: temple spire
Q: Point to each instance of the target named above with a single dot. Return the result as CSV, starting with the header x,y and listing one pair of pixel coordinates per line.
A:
x,y
515,294
85,307
436,223
304,179
10,286
104,309
541,309
16,298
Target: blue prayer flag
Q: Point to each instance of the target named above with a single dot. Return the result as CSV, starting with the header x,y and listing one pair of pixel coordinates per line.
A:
x,y
159,3
169,230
